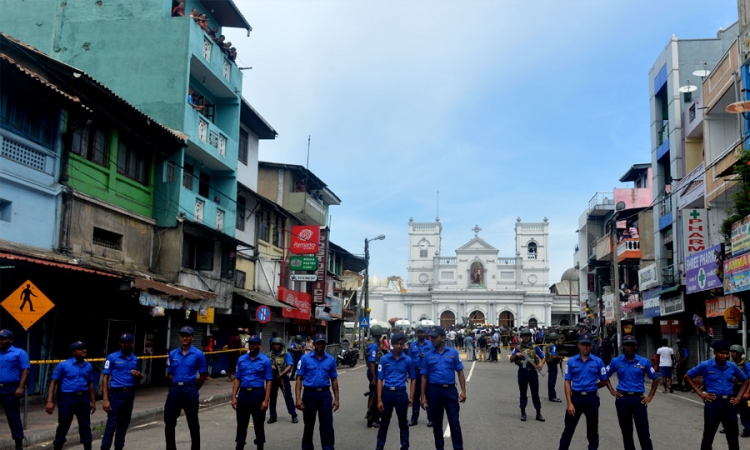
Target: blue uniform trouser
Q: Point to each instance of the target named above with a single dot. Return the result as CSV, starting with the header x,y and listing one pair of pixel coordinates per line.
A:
x,y
529,378
373,412
630,410
248,404
551,380
398,400
743,409
444,400
118,418
588,406
317,404
283,384
182,398
12,407
73,404
720,412
418,399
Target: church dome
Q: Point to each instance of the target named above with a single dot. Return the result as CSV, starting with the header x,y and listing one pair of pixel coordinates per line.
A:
x,y
376,282
570,275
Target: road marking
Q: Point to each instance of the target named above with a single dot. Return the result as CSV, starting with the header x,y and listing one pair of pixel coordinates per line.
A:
x,y
447,433
143,425
688,399
471,371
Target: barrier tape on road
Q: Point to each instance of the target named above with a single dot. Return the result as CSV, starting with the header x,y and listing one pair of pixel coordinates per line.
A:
x,y
93,360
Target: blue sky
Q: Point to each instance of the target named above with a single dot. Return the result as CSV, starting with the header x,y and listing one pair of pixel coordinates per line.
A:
x,y
521,108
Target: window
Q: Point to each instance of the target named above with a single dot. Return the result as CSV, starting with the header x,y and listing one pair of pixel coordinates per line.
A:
x,y
187,177
23,114
197,254
204,185
169,169
531,249
533,323
239,279
5,210
242,155
228,257
264,226
240,225
423,253
278,232
447,275
92,143
107,239
133,162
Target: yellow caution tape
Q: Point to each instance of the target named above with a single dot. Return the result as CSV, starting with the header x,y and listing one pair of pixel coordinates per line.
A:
x,y
93,360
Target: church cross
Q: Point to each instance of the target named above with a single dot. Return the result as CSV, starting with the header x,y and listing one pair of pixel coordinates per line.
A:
x,y
476,230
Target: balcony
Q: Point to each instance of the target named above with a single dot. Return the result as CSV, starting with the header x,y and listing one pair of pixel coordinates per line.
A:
x,y
665,212
604,248
628,249
209,65
601,204
669,276
208,143
304,205
662,140
691,189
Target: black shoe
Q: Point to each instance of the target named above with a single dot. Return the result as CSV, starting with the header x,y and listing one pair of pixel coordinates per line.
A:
x,y
373,425
271,420
523,416
429,424
295,419
412,422
671,389
745,432
556,400
539,416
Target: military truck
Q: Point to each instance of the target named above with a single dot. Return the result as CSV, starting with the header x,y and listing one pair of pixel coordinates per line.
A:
x,y
567,343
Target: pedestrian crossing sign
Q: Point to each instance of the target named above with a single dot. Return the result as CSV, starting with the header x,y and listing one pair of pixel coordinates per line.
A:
x,y
364,322
27,304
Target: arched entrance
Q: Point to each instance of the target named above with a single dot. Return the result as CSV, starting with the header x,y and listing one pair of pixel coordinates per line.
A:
x,y
506,319
476,318
447,319
533,323
564,322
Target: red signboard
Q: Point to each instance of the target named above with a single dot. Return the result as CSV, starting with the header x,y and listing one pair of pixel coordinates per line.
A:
x,y
299,300
715,307
305,239
670,326
320,286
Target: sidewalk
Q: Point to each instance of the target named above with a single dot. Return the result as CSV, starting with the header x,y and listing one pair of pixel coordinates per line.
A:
x,y
149,406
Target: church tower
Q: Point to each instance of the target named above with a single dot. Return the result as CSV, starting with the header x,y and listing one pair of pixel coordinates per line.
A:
x,y
532,246
424,246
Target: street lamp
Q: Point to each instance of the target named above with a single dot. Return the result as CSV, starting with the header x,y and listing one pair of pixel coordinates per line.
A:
x,y
570,275
366,286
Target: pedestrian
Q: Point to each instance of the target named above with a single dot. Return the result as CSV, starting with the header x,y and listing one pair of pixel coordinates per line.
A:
x,y
118,391
608,350
582,373
530,359
418,350
682,356
666,355
482,347
76,396
250,392
631,399
469,345
282,363
553,361
719,401
439,388
14,371
317,373
182,366
309,345
234,345
393,370
374,353
737,353
451,342
494,346
297,349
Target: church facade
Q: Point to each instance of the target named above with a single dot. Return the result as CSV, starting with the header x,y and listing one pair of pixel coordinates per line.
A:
x,y
477,285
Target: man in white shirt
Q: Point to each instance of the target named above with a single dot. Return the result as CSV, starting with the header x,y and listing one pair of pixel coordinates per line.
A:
x,y
452,339
666,356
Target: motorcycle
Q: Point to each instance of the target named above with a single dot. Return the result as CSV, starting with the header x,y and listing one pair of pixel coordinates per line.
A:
x,y
348,357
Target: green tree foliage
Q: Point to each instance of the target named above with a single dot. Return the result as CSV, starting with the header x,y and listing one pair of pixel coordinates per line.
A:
x,y
741,198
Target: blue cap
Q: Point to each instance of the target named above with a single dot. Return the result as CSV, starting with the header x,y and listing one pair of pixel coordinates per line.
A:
x,y
320,337
629,339
126,337
254,339
585,338
721,345
398,337
187,330
437,331
77,345
6,333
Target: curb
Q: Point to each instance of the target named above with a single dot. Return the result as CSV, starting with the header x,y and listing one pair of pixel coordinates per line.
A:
x,y
97,426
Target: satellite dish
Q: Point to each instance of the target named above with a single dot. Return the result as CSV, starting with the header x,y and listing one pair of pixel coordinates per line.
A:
x,y
702,73
739,107
620,206
687,89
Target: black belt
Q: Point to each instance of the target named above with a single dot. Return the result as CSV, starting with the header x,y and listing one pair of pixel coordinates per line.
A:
x,y
721,397
394,388
184,383
583,393
13,384
632,394
251,389
317,389
442,385
76,393
122,389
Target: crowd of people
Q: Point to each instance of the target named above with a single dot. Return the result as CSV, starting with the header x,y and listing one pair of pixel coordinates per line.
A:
x,y
202,20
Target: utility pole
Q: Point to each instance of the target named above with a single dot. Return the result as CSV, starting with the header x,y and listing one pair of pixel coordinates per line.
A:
x,y
616,283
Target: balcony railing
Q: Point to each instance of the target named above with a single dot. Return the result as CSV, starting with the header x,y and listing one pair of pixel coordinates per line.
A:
x,y
665,206
604,248
669,275
209,58
628,249
663,133
601,203
447,261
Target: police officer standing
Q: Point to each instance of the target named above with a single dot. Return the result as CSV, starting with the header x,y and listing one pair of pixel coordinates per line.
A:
x,y
719,401
317,373
439,388
182,365
14,371
631,403
297,349
118,391
392,372
282,365
530,359
76,396
374,353
553,360
417,351
583,372
251,391
737,355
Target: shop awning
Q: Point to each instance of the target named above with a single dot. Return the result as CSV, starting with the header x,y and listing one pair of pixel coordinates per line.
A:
x,y
262,298
173,290
669,291
633,305
46,262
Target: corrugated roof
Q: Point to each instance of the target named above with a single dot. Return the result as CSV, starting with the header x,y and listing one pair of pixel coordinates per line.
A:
x,y
262,298
173,290
46,262
227,13
252,118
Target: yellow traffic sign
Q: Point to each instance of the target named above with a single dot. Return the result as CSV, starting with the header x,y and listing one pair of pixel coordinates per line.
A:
x,y
27,304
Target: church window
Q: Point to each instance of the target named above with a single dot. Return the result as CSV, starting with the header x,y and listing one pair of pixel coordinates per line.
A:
x,y
477,274
531,248
423,253
532,323
446,275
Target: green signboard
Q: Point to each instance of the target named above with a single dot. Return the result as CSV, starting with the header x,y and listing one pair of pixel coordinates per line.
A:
x,y
303,262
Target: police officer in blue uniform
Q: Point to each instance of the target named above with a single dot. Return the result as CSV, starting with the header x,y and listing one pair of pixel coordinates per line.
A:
x,y
182,365
393,369
297,349
439,388
251,392
118,391
282,365
553,360
530,360
720,404
584,375
14,371
374,353
631,403
76,396
316,371
417,351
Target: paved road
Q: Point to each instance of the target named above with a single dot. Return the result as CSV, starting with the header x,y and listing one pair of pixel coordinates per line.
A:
x,y
490,419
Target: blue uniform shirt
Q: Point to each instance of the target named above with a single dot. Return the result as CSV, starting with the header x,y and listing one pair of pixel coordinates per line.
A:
x,y
254,372
537,350
12,362
118,367
719,381
317,373
183,367
440,367
630,373
584,375
417,352
552,350
393,371
372,352
72,376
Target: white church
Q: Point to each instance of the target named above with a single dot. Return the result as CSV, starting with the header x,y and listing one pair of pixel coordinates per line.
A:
x,y
477,285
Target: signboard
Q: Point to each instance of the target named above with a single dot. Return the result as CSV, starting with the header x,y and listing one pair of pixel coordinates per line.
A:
x,y
305,239
737,274
27,304
670,326
694,230
647,277
715,307
671,305
638,318
205,315
304,263
651,303
321,314
263,314
303,277
364,322
319,287
299,300
609,308
733,317
741,236
703,269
